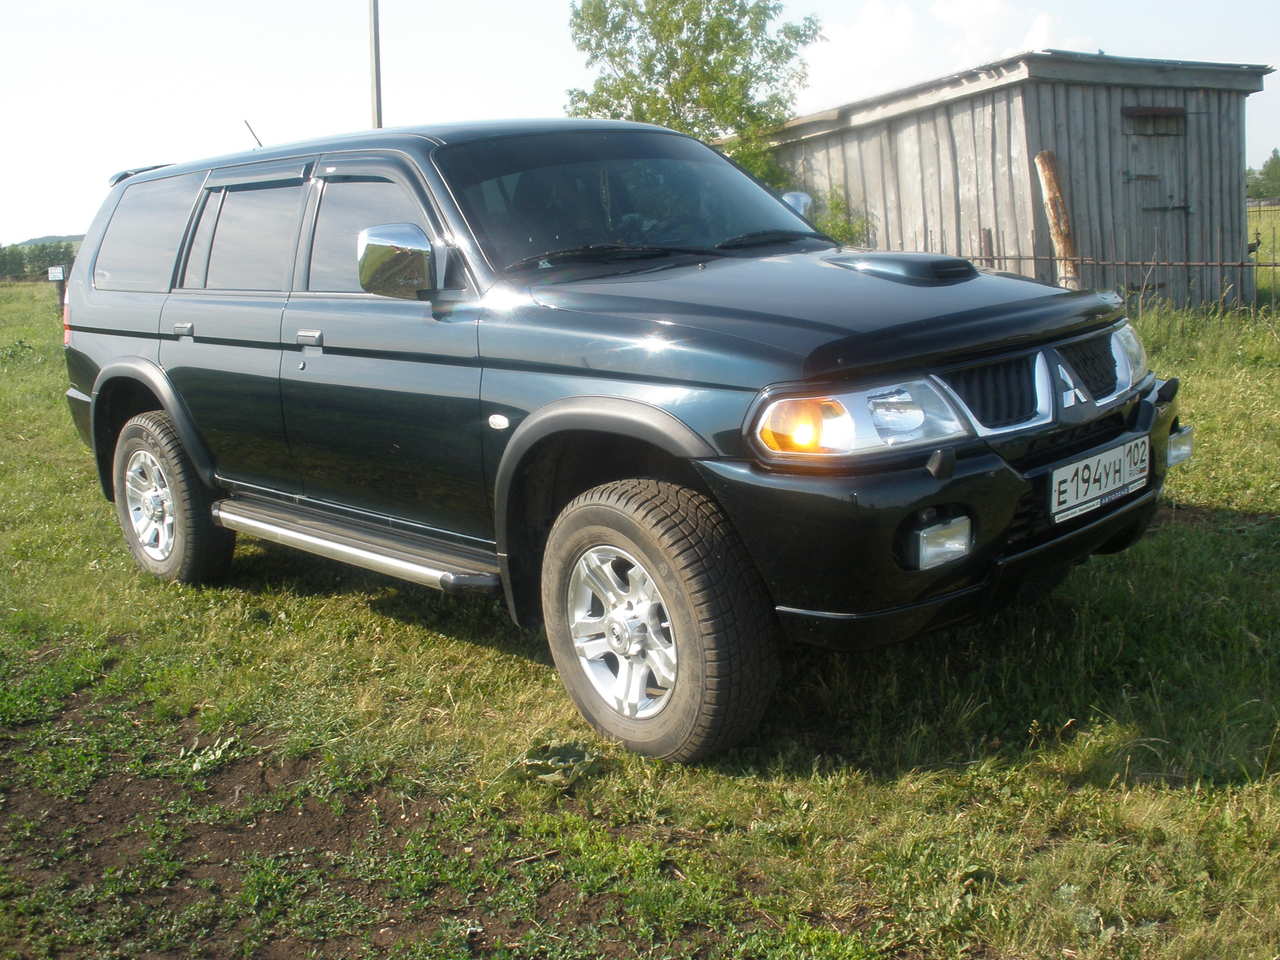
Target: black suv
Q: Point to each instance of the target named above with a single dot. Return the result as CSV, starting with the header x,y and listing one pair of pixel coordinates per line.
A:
x,y
597,367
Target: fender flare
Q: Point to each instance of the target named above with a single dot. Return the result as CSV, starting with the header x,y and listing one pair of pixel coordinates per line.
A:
x,y
615,415
150,375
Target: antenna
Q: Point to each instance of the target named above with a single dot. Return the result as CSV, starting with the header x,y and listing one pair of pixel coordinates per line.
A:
x,y
255,136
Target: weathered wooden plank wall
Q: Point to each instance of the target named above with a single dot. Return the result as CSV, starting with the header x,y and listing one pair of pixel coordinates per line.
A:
x,y
936,178
1173,197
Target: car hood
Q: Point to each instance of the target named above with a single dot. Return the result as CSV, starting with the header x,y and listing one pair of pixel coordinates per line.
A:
x,y
827,313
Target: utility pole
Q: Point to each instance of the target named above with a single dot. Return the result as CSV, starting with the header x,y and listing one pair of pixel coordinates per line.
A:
x,y
375,63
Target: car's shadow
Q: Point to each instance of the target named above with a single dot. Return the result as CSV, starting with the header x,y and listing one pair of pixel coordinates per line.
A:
x,y
1162,663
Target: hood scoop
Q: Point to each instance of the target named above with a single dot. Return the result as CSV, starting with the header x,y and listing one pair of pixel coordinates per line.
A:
x,y
915,269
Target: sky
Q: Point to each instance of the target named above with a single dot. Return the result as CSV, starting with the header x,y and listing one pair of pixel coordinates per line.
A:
x,y
92,87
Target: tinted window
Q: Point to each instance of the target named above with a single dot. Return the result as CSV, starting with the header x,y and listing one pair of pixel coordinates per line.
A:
x,y
253,242
142,239
530,194
346,208
198,252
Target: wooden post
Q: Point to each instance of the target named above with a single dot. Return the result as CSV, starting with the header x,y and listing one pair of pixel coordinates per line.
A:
x,y
1055,211
58,277
988,248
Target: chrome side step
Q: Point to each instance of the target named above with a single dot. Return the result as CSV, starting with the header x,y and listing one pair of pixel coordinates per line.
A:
x,y
372,551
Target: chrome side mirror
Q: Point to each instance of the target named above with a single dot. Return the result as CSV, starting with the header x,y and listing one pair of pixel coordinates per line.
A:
x,y
799,201
397,260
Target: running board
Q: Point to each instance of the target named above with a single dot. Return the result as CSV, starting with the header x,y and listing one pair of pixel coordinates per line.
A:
x,y
431,565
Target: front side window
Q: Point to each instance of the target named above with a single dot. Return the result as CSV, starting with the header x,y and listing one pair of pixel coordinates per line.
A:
x,y
537,193
142,239
253,242
347,207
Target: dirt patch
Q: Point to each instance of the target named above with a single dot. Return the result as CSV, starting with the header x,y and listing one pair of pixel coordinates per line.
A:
x,y
308,825
88,836
246,843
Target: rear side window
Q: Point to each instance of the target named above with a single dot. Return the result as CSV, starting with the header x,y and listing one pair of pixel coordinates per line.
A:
x,y
346,208
253,241
142,239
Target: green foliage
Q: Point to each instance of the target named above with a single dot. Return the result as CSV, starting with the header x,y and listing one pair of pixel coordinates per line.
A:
x,y
1263,228
1265,183
31,261
13,263
558,764
715,69
836,220
39,257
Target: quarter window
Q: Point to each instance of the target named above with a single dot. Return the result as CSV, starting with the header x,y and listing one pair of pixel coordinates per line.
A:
x,y
141,242
254,239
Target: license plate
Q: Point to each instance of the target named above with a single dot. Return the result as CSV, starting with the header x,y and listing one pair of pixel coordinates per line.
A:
x,y
1095,481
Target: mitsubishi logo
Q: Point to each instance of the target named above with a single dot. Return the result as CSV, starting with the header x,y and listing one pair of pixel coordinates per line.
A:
x,y
1072,394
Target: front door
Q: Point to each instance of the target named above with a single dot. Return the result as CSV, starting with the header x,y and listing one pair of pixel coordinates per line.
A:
x,y
381,396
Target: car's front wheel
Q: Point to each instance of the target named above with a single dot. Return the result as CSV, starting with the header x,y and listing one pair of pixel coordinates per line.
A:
x,y
163,507
658,622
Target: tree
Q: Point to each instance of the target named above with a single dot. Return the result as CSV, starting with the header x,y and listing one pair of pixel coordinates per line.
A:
x,y
1265,183
13,264
41,256
715,69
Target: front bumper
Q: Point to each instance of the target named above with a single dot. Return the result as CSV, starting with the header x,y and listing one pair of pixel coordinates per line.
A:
x,y
831,546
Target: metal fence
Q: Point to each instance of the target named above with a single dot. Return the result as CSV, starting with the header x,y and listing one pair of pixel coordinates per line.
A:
x,y
1243,284
1251,283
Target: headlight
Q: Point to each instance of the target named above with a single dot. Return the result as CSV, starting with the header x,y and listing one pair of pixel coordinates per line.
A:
x,y
1130,347
891,417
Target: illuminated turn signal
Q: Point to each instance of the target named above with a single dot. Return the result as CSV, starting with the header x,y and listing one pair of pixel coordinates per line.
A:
x,y
807,425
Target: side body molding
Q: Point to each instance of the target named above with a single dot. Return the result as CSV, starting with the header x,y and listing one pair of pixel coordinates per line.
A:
x,y
149,374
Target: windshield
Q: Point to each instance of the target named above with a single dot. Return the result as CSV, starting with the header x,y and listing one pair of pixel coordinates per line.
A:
x,y
536,194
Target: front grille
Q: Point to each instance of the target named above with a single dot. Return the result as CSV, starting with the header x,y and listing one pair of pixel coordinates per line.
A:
x,y
1093,361
1061,444
999,394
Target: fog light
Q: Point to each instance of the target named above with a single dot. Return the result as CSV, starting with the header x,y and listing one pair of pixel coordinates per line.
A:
x,y
1180,444
943,542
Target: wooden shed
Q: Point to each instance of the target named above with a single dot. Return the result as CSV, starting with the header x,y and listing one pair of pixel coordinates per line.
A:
x,y
1150,156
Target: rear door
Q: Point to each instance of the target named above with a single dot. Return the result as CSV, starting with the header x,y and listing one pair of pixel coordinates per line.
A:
x,y
221,326
382,396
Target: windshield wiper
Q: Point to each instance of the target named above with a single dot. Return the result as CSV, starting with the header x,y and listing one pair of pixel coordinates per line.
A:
x,y
602,251
760,237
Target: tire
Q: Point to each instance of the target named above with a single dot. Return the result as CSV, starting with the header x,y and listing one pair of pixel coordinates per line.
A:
x,y
163,506
698,642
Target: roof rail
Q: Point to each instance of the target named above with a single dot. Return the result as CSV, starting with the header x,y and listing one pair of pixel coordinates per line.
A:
x,y
126,174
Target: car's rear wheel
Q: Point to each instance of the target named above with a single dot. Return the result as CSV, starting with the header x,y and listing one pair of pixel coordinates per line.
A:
x,y
163,507
658,622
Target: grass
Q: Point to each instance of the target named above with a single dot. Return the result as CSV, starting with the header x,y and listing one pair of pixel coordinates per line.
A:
x,y
1263,225
313,760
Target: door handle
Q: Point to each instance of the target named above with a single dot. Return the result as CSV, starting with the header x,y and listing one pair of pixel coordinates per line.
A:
x,y
185,329
310,338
